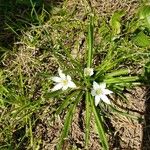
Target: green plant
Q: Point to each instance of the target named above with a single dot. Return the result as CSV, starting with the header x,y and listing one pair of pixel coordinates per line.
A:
x,y
83,78
113,48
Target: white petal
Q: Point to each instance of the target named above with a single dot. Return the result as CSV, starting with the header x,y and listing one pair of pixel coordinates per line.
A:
x,y
102,85
88,71
65,87
97,100
72,84
106,91
93,92
57,87
61,74
105,99
95,85
56,79
91,71
68,78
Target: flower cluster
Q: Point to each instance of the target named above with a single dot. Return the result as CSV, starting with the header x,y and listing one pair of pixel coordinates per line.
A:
x,y
99,91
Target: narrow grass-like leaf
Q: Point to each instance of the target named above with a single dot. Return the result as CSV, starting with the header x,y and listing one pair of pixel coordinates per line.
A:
x,y
21,80
66,126
87,119
34,11
111,61
72,60
90,42
30,132
21,141
99,124
60,59
26,109
123,113
65,103
118,73
11,28
108,64
122,79
3,89
1,102
68,121
52,94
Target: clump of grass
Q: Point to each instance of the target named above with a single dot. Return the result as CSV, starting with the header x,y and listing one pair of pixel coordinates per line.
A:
x,y
71,44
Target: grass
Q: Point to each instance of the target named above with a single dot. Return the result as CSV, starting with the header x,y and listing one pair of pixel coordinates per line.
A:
x,y
115,48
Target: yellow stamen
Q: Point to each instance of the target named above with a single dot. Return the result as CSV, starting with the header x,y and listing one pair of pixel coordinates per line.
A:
x,y
98,91
65,82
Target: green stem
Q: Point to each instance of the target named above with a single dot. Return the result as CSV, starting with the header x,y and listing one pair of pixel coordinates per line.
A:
x,y
87,120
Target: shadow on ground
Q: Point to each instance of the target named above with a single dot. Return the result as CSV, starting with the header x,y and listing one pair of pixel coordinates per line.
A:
x,y
16,16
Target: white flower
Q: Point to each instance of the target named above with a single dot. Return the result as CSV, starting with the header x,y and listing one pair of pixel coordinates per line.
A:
x,y
88,71
100,92
62,82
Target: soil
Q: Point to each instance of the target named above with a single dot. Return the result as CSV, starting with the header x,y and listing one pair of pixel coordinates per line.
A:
x,y
126,133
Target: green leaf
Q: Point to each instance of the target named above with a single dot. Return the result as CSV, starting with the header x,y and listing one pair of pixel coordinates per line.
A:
x,y
144,13
107,65
3,89
118,73
104,31
90,42
133,25
53,94
66,126
142,40
99,124
64,63
72,60
126,114
115,22
66,102
1,102
87,119
68,121
122,79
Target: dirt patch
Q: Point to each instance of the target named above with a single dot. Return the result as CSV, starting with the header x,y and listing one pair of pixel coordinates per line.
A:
x,y
104,8
130,131
125,133
107,7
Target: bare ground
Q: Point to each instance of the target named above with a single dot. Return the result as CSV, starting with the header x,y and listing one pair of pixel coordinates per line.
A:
x,y
125,133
